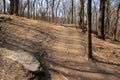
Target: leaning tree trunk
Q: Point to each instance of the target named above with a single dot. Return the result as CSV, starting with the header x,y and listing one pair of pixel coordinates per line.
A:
x,y
89,39
101,34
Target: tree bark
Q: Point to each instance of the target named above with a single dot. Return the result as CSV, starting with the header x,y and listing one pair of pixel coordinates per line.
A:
x,y
16,7
21,8
81,14
107,26
116,22
89,39
11,7
101,30
72,11
28,12
53,10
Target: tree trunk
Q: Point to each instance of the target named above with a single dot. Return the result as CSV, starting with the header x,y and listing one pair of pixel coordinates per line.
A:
x,y
57,11
101,34
116,22
16,7
21,8
34,8
4,6
107,26
81,14
89,39
53,11
72,11
11,7
28,14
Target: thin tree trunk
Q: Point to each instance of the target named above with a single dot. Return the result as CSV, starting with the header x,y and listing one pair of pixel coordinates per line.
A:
x,y
116,22
57,11
28,13
34,9
4,6
53,11
21,8
72,11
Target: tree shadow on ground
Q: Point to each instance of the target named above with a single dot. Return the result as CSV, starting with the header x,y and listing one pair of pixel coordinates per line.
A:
x,y
109,63
41,52
58,63
37,29
38,49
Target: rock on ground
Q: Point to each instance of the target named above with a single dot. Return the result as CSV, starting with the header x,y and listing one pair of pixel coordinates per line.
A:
x,y
25,58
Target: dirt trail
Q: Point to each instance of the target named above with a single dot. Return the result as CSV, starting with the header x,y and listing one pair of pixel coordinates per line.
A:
x,y
68,59
65,49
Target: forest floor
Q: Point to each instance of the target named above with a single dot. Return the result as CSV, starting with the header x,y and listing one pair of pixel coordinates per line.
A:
x,y
63,49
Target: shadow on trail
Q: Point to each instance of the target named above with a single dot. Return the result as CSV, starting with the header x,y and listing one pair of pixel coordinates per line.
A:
x,y
109,63
41,52
37,29
39,49
80,70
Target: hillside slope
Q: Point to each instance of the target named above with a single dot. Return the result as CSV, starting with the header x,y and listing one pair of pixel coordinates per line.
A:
x,y
64,50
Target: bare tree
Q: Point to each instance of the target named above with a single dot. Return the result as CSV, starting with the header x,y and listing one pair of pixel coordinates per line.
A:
x,y
4,6
89,39
81,14
96,15
24,6
21,8
14,7
116,22
101,30
57,6
72,9
107,26
53,1
11,6
28,12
